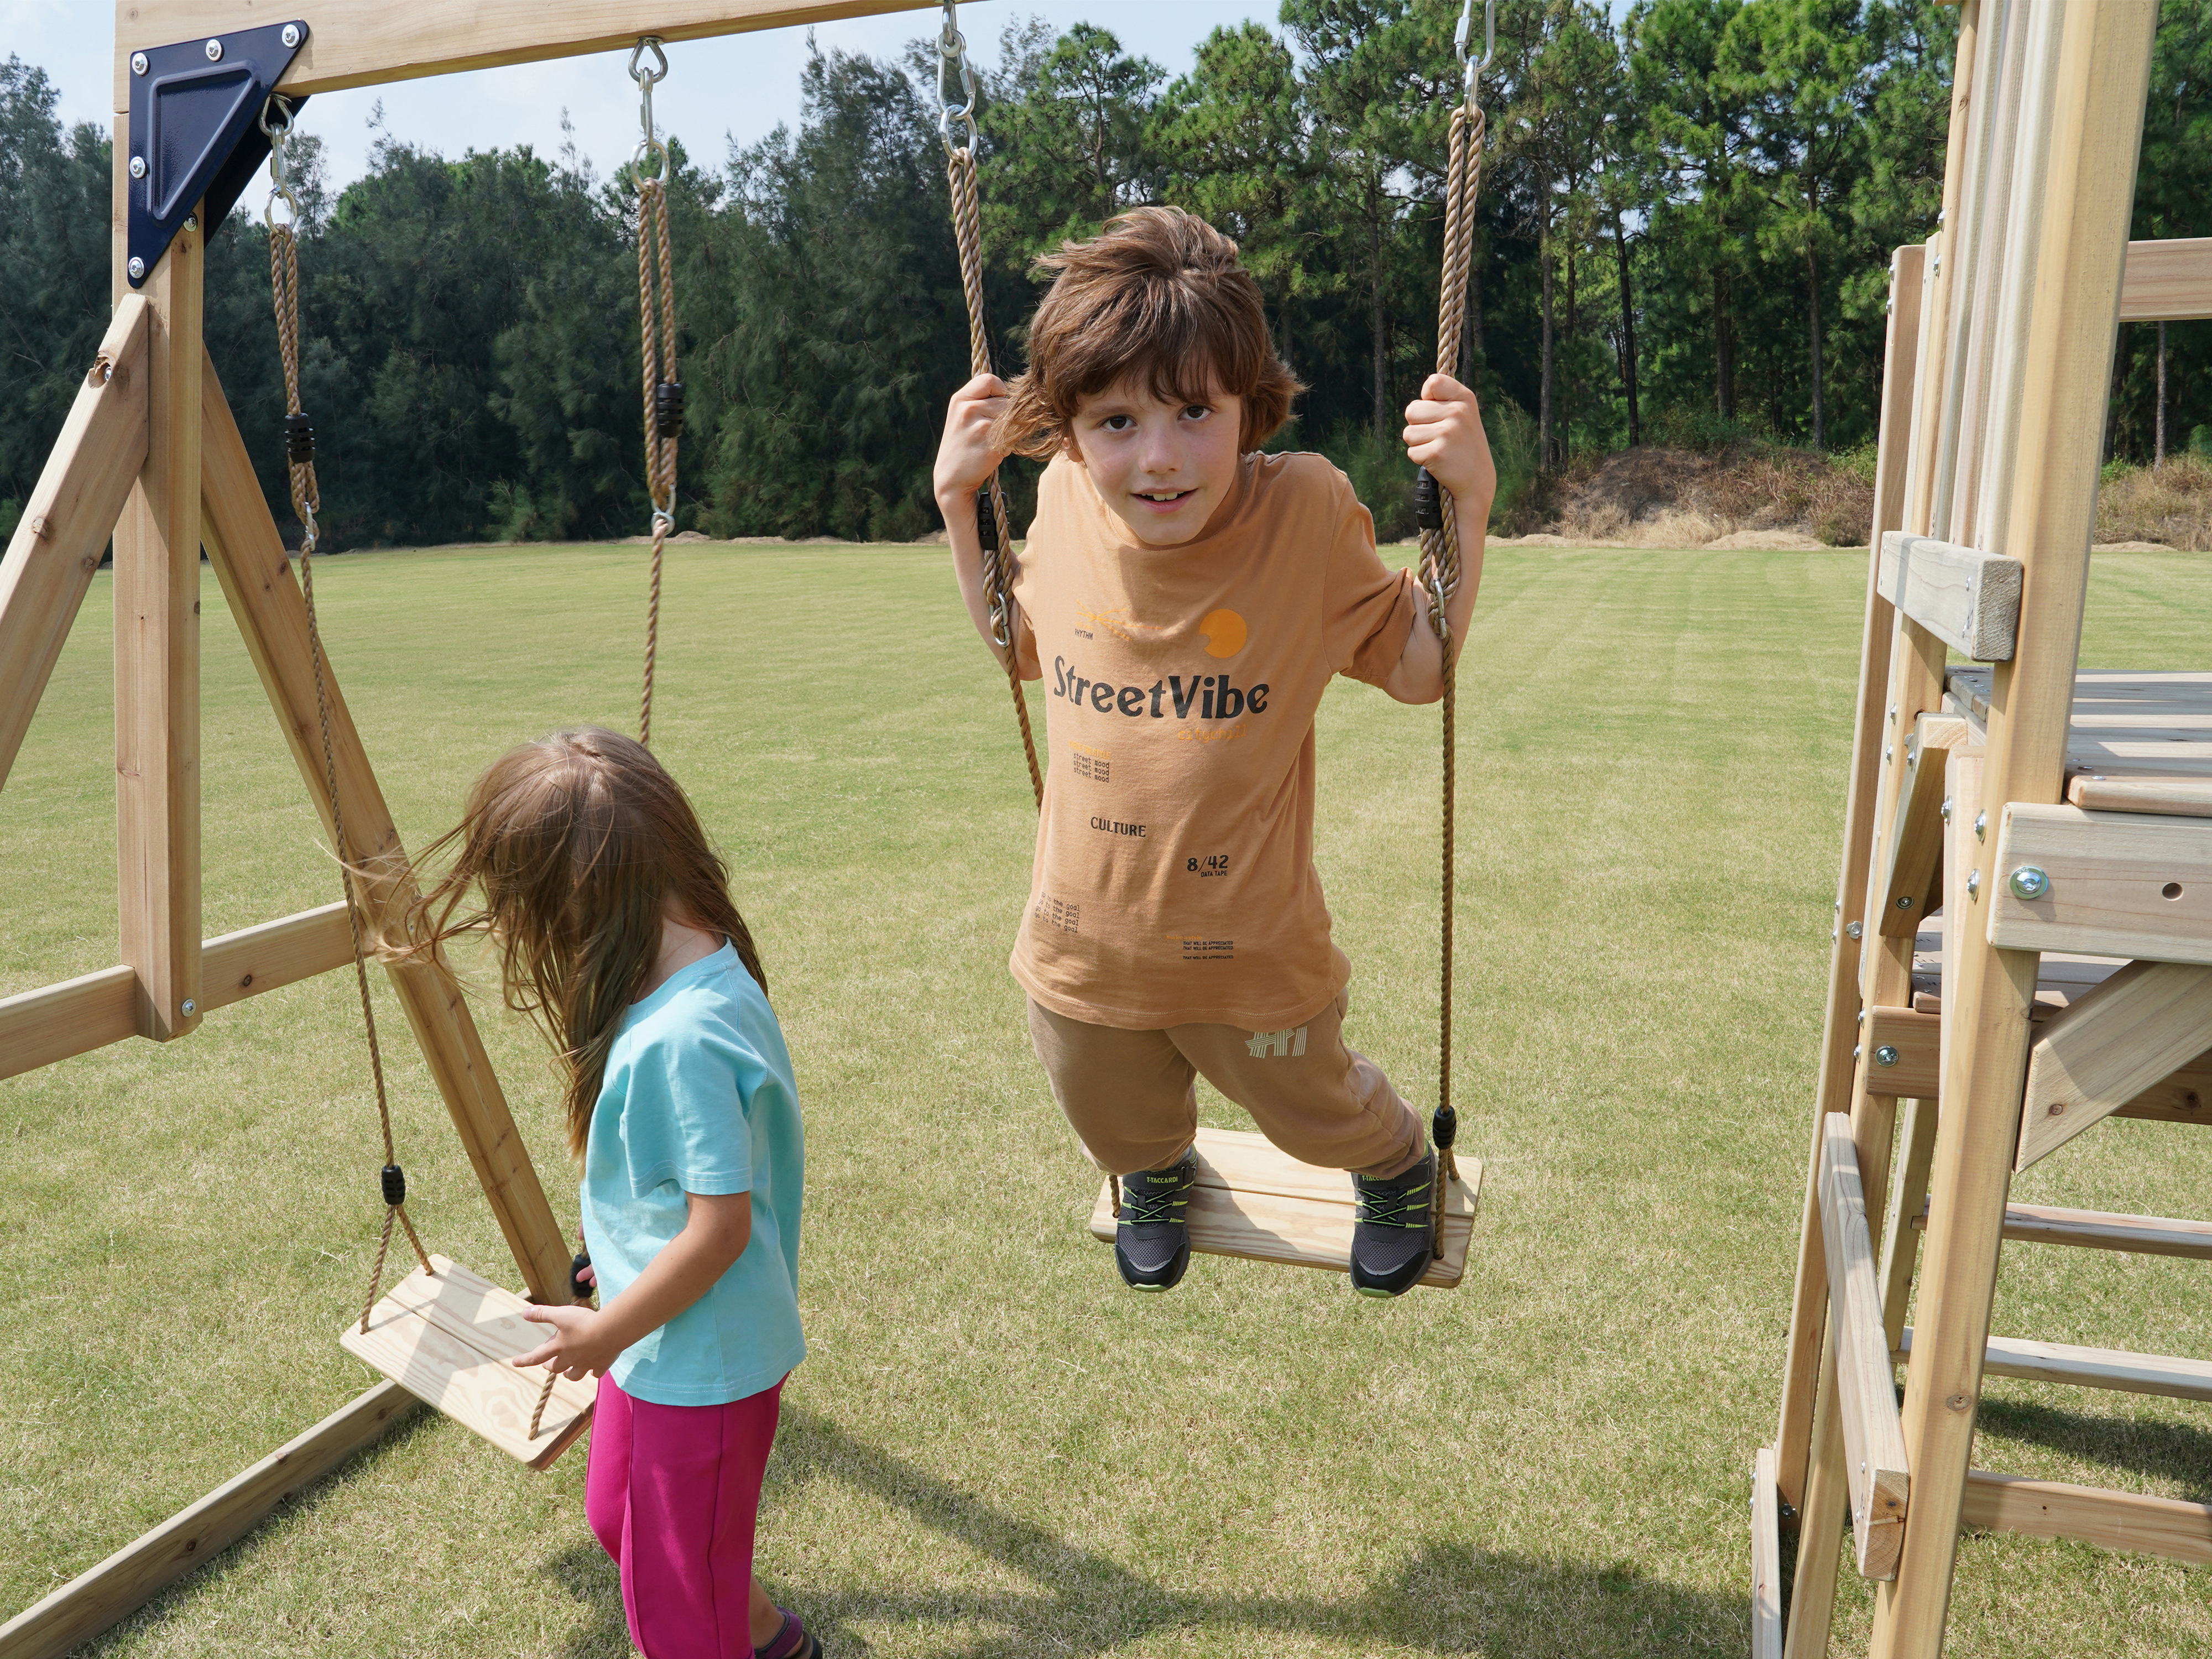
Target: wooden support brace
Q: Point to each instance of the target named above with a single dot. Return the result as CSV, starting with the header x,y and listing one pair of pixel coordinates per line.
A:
x,y
249,559
66,523
2135,1030
2135,884
1765,1558
1874,1441
2110,1519
2091,1368
2185,1097
100,1595
2168,280
1967,598
1912,851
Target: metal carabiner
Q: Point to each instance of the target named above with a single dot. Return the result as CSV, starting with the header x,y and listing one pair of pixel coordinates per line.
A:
x,y
1474,67
280,184
951,61
647,79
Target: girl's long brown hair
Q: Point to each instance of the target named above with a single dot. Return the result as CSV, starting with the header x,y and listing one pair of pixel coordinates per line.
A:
x,y
579,843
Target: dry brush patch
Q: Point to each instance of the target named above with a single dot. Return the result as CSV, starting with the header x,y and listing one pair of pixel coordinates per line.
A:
x,y
1658,496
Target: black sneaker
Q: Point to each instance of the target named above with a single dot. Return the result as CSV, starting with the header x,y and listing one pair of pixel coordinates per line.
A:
x,y
1151,1244
1393,1239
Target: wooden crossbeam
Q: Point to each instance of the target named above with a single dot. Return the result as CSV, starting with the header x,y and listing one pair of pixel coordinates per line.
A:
x,y
2168,280
1967,598
2090,1368
2104,1230
1874,1441
126,1580
2110,1519
38,1028
72,512
2133,885
360,43
2134,1030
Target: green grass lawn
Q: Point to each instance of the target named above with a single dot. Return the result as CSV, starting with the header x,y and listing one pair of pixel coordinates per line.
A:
x,y
995,1449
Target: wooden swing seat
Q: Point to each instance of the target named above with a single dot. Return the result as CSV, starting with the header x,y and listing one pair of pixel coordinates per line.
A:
x,y
450,1341
1257,1203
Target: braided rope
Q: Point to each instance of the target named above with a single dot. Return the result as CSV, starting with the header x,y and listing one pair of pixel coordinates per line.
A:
x,y
307,503
967,231
658,337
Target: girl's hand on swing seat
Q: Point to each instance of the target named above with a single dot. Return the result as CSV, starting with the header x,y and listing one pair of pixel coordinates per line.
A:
x,y
577,1348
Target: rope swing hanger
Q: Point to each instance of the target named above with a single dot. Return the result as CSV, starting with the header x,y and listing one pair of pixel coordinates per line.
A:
x,y
656,310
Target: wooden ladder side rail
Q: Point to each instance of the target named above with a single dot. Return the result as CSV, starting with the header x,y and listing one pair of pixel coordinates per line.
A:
x,y
1801,1360
2091,1515
2091,136
72,512
99,1596
1765,1558
2131,1032
362,42
250,562
1866,1397
77,1015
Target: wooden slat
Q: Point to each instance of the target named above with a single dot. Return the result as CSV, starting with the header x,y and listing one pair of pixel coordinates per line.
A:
x,y
2111,1519
2092,1367
1253,1201
55,1022
359,43
1912,851
2134,1030
99,1596
249,559
1765,1560
2103,1229
72,512
2182,797
157,662
1874,1442
1967,598
2131,884
2169,279
451,1341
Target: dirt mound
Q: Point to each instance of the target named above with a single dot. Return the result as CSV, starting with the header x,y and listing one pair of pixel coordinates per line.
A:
x,y
1754,496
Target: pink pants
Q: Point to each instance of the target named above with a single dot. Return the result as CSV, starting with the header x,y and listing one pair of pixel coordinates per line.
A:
x,y
673,1493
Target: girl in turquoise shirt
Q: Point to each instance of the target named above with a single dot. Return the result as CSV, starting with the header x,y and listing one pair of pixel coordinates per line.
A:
x,y
617,935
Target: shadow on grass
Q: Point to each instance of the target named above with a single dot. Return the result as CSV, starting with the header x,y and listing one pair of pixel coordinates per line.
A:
x,y
2168,1451
1443,1598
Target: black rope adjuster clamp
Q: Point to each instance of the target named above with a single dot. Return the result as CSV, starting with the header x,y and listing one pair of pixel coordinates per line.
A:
x,y
1428,501
577,1286
668,410
299,439
395,1185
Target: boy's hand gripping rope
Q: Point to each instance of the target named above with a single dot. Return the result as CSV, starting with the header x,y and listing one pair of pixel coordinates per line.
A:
x,y
307,503
663,392
1437,514
992,526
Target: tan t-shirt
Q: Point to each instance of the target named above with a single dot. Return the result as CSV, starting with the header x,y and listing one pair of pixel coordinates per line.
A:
x,y
1174,880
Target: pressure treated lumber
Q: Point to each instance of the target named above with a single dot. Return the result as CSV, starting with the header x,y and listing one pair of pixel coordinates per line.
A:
x,y
2134,884
72,512
2136,742
2180,797
1765,1560
1916,1039
1912,851
452,1340
2092,1367
2111,1519
1874,1442
2134,1030
2169,279
38,1028
157,662
2105,1230
249,559
1967,598
1255,1201
99,1596
360,43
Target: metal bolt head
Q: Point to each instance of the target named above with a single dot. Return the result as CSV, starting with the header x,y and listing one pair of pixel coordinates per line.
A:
x,y
1973,883
191,221
1946,809
1981,825
137,166
291,34
138,266
1854,929
215,51
137,62
1889,751
190,1007
2029,882
1885,1056
1905,903
1855,1052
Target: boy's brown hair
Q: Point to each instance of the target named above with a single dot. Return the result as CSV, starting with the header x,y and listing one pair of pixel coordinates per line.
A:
x,y
1159,294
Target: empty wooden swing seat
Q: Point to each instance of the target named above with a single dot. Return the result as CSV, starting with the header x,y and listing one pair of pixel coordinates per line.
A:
x,y
1255,1201
450,1341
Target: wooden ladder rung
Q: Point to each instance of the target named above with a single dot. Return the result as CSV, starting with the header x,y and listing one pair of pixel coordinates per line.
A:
x,y
2091,1368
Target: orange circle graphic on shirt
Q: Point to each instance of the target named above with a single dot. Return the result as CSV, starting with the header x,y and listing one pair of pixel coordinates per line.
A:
x,y
1224,632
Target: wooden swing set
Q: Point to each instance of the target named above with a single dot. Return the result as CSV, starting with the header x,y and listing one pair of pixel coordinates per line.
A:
x,y
2023,945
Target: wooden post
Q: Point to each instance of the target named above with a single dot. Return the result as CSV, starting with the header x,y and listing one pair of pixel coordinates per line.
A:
x,y
157,662
249,559
2093,132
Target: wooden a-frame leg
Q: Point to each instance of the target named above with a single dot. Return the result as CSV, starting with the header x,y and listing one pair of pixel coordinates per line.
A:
x,y
65,524
1819,1525
249,558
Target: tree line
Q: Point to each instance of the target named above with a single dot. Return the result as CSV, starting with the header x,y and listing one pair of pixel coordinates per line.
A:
x,y
1681,236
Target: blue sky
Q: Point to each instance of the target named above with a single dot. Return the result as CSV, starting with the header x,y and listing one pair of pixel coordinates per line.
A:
x,y
739,85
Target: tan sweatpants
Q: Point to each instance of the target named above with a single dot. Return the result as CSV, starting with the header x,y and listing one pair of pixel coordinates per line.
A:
x,y
1133,1099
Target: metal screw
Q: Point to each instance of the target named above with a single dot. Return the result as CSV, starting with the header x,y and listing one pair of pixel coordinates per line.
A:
x,y
215,51
1906,903
2030,883
137,166
137,267
1892,711
1981,824
1973,883
190,1007
1855,1052
291,34
1885,1056
1860,1019
191,221
1888,751
1854,929
137,62
1946,809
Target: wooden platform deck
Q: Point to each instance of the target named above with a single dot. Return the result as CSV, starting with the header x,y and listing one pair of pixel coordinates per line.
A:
x,y
1255,1202
2137,742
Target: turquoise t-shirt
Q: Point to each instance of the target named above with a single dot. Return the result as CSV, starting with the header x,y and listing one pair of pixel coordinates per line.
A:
x,y
699,1098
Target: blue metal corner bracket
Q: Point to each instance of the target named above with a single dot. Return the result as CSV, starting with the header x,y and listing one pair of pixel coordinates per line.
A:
x,y
196,130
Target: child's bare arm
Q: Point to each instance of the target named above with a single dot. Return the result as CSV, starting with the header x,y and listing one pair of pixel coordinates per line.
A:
x,y
965,460
716,1229
1443,433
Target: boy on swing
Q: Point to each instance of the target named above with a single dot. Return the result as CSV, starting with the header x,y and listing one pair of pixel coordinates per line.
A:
x,y
1186,600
